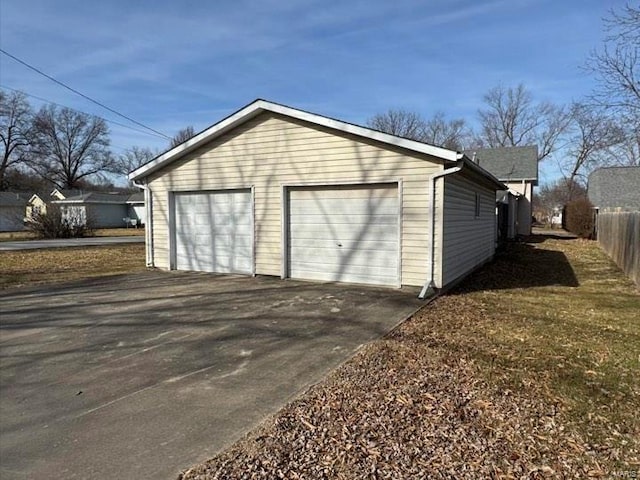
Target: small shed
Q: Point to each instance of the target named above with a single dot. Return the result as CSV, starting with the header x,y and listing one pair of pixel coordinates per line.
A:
x,y
273,190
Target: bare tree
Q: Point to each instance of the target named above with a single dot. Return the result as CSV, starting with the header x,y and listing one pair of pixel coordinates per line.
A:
x,y
182,136
451,134
16,131
511,118
401,123
617,65
439,131
592,134
133,158
70,146
554,196
627,152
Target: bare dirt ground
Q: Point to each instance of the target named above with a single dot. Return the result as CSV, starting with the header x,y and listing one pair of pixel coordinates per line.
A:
x,y
529,369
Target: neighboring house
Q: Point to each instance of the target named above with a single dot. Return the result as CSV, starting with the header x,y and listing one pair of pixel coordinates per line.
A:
x,y
556,217
101,210
615,188
60,194
135,208
35,205
517,168
272,190
12,210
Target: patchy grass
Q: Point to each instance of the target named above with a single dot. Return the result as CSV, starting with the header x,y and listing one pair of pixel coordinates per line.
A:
x,y
16,236
118,232
530,369
33,267
100,232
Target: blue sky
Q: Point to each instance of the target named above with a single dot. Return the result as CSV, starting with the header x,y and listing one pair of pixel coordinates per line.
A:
x,y
169,64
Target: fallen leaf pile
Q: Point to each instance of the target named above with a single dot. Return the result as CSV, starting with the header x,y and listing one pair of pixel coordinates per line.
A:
x,y
470,387
397,411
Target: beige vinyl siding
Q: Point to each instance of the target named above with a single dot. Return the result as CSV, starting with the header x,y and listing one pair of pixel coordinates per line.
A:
x,y
468,241
270,151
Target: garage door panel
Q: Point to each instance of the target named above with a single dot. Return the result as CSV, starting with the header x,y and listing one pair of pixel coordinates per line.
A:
x,y
214,231
343,232
347,234
342,192
359,257
372,277
346,218
320,206
319,243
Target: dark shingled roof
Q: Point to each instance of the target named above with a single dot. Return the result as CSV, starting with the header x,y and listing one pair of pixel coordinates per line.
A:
x,y
508,163
615,187
70,193
14,199
137,197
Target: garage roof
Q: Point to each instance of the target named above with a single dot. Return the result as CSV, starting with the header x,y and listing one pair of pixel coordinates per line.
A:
x,y
259,106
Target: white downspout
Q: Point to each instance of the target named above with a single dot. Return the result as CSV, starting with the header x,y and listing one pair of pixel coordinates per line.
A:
x,y
429,284
148,225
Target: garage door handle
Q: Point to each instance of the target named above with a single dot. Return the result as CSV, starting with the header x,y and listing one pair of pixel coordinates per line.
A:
x,y
339,244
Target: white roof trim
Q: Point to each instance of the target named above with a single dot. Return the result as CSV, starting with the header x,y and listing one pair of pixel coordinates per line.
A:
x,y
260,106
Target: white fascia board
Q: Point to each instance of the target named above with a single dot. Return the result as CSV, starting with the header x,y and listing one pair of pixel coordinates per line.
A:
x,y
260,106
420,147
206,135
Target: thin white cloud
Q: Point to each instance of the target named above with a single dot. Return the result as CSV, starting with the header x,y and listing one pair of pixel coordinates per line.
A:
x,y
171,64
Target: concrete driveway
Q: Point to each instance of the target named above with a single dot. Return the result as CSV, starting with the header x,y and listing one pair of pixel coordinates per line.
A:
x,y
69,242
141,376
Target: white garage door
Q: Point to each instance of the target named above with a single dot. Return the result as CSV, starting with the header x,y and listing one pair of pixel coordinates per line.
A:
x,y
214,231
344,233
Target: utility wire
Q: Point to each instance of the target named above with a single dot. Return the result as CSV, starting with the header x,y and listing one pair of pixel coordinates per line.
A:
x,y
82,94
79,111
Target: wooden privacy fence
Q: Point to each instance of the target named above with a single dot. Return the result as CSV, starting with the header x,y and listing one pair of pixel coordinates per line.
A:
x,y
619,236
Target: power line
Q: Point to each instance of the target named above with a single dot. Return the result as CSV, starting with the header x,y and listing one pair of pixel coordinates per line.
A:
x,y
81,94
79,111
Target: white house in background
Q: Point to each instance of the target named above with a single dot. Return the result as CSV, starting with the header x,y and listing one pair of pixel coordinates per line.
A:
x,y
102,210
35,205
272,190
517,168
12,210
135,208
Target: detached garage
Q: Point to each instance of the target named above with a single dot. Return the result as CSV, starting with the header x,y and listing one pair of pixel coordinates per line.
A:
x,y
272,190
